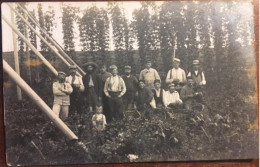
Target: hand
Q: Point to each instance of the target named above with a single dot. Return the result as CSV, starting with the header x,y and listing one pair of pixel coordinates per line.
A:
x,y
109,96
119,95
99,98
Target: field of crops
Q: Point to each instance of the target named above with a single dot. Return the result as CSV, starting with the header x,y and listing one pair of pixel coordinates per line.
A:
x,y
226,128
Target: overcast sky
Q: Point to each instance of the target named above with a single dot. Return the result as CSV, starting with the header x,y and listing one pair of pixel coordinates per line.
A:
x,y
7,43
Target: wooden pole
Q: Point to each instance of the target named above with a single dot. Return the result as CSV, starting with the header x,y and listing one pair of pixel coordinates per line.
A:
x,y
51,39
28,57
31,46
43,106
40,36
16,58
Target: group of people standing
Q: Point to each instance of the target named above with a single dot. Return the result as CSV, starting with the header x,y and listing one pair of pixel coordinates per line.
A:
x,y
113,93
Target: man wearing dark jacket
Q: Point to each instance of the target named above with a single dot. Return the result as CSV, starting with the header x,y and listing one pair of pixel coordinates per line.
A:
x,y
144,96
131,84
93,86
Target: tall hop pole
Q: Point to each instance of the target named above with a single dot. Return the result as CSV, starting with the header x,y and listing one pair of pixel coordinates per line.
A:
x,y
16,58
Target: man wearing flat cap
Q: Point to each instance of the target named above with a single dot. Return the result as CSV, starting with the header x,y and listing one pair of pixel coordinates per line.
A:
x,y
148,75
199,81
78,87
114,89
176,74
93,86
131,84
61,91
197,74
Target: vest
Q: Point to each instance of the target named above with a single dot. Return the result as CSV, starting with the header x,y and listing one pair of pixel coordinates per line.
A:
x,y
196,78
160,98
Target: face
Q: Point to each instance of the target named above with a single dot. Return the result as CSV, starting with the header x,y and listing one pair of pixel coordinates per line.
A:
x,y
103,69
61,77
127,71
172,89
90,68
176,64
190,82
73,71
196,66
99,110
157,85
148,65
141,84
114,72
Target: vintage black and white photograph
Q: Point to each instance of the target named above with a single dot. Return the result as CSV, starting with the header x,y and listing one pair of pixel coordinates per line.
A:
x,y
129,81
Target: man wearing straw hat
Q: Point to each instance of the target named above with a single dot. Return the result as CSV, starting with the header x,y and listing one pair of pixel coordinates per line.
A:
x,y
78,87
93,86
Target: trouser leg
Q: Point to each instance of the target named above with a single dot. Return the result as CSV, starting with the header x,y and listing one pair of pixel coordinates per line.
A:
x,y
64,112
111,108
56,109
106,107
119,108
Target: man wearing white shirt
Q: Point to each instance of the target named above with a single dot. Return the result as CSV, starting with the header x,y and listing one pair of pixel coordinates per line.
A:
x,y
171,98
176,74
75,97
197,74
114,89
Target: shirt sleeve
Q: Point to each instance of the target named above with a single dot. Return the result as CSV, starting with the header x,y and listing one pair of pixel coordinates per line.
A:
x,y
56,90
69,88
123,87
106,87
203,79
168,77
165,102
183,76
156,75
178,98
141,77
104,120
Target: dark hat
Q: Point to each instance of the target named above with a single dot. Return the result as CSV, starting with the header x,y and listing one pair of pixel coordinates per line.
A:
x,y
157,81
128,67
72,66
61,73
94,65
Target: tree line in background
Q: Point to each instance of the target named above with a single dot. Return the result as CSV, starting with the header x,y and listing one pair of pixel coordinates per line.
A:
x,y
213,32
